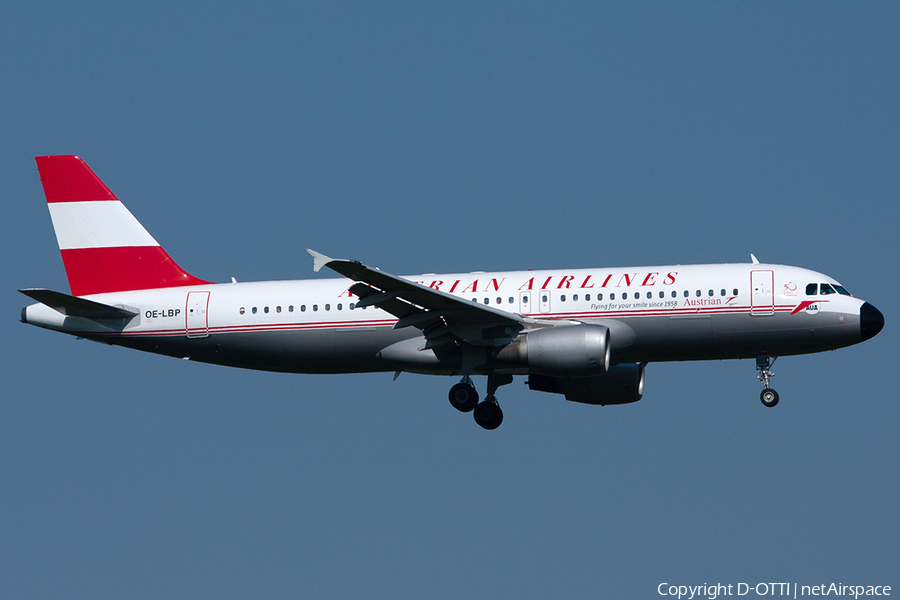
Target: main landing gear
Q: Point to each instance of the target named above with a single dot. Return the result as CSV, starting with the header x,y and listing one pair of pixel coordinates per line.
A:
x,y
464,398
769,397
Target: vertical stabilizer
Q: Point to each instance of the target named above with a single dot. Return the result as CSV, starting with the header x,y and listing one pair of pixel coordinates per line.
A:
x,y
104,248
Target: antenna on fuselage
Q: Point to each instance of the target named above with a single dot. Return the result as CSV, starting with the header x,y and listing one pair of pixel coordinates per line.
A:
x,y
754,259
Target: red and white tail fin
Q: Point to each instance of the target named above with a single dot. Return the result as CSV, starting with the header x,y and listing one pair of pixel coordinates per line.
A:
x,y
104,248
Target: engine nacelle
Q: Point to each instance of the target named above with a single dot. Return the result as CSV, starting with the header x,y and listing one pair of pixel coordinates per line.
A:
x,y
566,351
621,384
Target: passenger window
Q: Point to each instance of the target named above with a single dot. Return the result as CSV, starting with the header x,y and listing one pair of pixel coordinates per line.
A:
x,y
734,292
499,300
242,310
510,299
649,295
686,293
352,306
574,297
302,308
315,307
253,310
340,307
278,309
698,293
599,297
674,294
624,295
662,294
711,293
562,298
812,289
291,308
587,297
612,296
723,292
327,307
487,301
266,310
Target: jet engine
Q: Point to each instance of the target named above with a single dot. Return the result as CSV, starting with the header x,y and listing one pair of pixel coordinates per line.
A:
x,y
621,384
564,351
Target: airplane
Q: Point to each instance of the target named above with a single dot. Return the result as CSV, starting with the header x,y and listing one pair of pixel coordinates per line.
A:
x,y
586,334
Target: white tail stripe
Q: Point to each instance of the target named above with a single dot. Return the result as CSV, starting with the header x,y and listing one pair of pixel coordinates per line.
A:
x,y
101,224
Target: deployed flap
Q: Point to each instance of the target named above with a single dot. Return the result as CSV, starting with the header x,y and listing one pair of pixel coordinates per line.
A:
x,y
77,307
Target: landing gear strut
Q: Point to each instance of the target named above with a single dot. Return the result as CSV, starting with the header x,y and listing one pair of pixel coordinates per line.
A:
x,y
464,398
488,413
769,397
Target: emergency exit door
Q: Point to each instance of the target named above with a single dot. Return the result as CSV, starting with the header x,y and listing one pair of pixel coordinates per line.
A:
x,y
544,301
524,303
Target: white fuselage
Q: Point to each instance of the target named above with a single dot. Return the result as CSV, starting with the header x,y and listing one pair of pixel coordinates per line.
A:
x,y
674,312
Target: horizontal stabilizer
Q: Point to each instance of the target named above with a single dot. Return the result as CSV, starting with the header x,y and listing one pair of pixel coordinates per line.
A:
x,y
78,307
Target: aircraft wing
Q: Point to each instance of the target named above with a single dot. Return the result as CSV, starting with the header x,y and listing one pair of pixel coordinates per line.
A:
x,y
442,317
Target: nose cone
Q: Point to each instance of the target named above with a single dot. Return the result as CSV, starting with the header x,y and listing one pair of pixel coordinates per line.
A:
x,y
871,321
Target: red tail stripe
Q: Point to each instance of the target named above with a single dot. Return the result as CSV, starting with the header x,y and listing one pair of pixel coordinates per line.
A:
x,y
102,270
69,179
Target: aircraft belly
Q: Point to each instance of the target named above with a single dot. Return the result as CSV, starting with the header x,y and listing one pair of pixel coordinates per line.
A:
x,y
289,351
633,339
314,351
717,336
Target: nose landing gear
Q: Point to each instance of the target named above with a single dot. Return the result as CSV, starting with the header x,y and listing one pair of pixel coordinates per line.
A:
x,y
769,397
464,398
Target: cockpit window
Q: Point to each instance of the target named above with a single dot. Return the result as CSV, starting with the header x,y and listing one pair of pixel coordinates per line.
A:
x,y
812,289
842,290
825,289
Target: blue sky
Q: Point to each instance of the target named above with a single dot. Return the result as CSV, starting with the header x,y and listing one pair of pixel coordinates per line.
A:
x,y
442,139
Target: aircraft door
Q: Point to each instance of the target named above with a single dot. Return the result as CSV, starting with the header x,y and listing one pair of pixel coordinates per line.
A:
x,y
544,301
524,303
196,318
762,292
